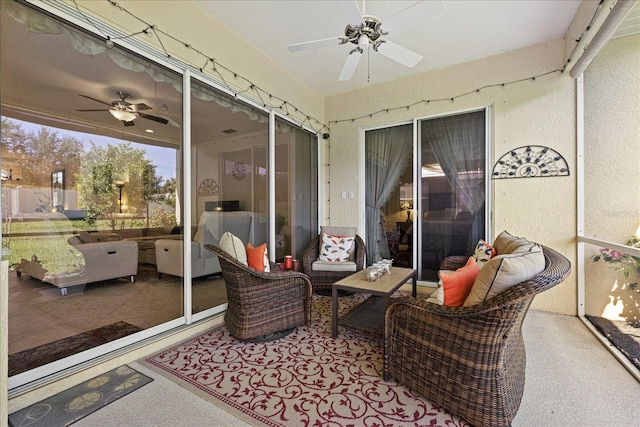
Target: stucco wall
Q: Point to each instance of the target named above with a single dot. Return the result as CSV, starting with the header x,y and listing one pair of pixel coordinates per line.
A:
x,y
540,112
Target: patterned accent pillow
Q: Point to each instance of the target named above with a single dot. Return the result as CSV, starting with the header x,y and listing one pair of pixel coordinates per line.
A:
x,y
258,258
483,253
335,248
340,231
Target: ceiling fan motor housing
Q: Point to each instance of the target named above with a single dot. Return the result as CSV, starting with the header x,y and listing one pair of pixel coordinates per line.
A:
x,y
370,28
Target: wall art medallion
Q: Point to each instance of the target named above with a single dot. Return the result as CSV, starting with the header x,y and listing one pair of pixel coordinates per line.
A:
x,y
530,161
208,187
239,171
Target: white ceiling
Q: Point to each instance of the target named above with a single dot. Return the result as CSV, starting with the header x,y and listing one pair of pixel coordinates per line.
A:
x,y
443,32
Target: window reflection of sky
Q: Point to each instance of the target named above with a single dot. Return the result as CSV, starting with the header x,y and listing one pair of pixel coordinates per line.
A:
x,y
163,158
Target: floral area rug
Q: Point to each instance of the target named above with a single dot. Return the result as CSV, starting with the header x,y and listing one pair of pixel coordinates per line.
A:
x,y
305,379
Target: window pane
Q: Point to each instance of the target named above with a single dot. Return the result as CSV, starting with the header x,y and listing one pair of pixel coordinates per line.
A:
x,y
229,177
296,190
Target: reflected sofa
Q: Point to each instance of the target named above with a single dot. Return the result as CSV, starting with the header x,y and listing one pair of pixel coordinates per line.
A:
x,y
106,256
211,226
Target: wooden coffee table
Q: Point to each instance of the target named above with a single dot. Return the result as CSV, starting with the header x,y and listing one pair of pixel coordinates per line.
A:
x,y
369,315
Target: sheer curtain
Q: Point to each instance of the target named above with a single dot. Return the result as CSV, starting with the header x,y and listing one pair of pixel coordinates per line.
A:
x,y
387,153
458,144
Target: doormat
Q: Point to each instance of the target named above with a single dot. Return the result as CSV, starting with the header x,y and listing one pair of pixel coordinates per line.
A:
x,y
622,334
81,400
46,353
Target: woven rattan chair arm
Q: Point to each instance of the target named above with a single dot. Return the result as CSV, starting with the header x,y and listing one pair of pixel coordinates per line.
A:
x,y
361,251
453,262
311,254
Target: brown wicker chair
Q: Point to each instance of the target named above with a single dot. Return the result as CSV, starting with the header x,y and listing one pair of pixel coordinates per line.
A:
x,y
263,306
322,280
468,360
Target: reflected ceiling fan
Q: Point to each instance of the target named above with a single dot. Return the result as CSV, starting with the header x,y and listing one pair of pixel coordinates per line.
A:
x,y
125,111
365,31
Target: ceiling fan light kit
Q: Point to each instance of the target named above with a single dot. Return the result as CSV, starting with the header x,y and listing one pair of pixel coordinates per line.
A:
x,y
123,115
125,111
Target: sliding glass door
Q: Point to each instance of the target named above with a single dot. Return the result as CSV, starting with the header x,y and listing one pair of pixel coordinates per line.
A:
x,y
418,221
451,188
98,188
296,190
91,146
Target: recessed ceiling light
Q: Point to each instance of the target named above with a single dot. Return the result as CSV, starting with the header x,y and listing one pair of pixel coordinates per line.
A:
x,y
148,130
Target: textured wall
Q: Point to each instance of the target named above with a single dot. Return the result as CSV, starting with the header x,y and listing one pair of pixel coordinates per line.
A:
x,y
540,112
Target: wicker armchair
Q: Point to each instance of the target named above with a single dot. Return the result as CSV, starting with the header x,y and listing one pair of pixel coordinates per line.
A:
x,y
322,280
468,360
263,306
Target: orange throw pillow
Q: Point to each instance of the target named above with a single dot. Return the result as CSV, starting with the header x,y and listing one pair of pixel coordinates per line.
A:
x,y
256,256
457,285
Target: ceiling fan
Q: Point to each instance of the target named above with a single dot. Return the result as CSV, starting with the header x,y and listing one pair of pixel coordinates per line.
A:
x,y
125,111
365,31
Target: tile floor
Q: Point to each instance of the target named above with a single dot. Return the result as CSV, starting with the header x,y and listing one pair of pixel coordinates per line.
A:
x,y
38,313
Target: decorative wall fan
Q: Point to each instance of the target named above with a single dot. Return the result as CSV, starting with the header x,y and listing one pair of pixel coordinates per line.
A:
x,y
125,111
365,31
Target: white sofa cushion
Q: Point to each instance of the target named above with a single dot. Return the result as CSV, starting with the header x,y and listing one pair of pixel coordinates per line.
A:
x,y
333,266
524,261
234,247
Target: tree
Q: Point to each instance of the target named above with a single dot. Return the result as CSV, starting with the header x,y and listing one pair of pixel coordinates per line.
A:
x,y
33,156
169,190
105,167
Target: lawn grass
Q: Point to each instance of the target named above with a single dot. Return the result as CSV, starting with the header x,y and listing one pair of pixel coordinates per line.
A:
x,y
54,252
52,249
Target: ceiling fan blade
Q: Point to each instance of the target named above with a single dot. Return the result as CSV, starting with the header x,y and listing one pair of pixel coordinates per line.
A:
x,y
93,99
173,122
154,118
139,107
419,10
350,66
129,123
330,42
399,54
350,10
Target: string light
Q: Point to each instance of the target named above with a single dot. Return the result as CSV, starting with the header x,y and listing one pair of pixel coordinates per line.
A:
x,y
280,104
448,99
285,104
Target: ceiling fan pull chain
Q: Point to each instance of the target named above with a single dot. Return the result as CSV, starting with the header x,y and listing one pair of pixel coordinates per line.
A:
x,y
369,64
